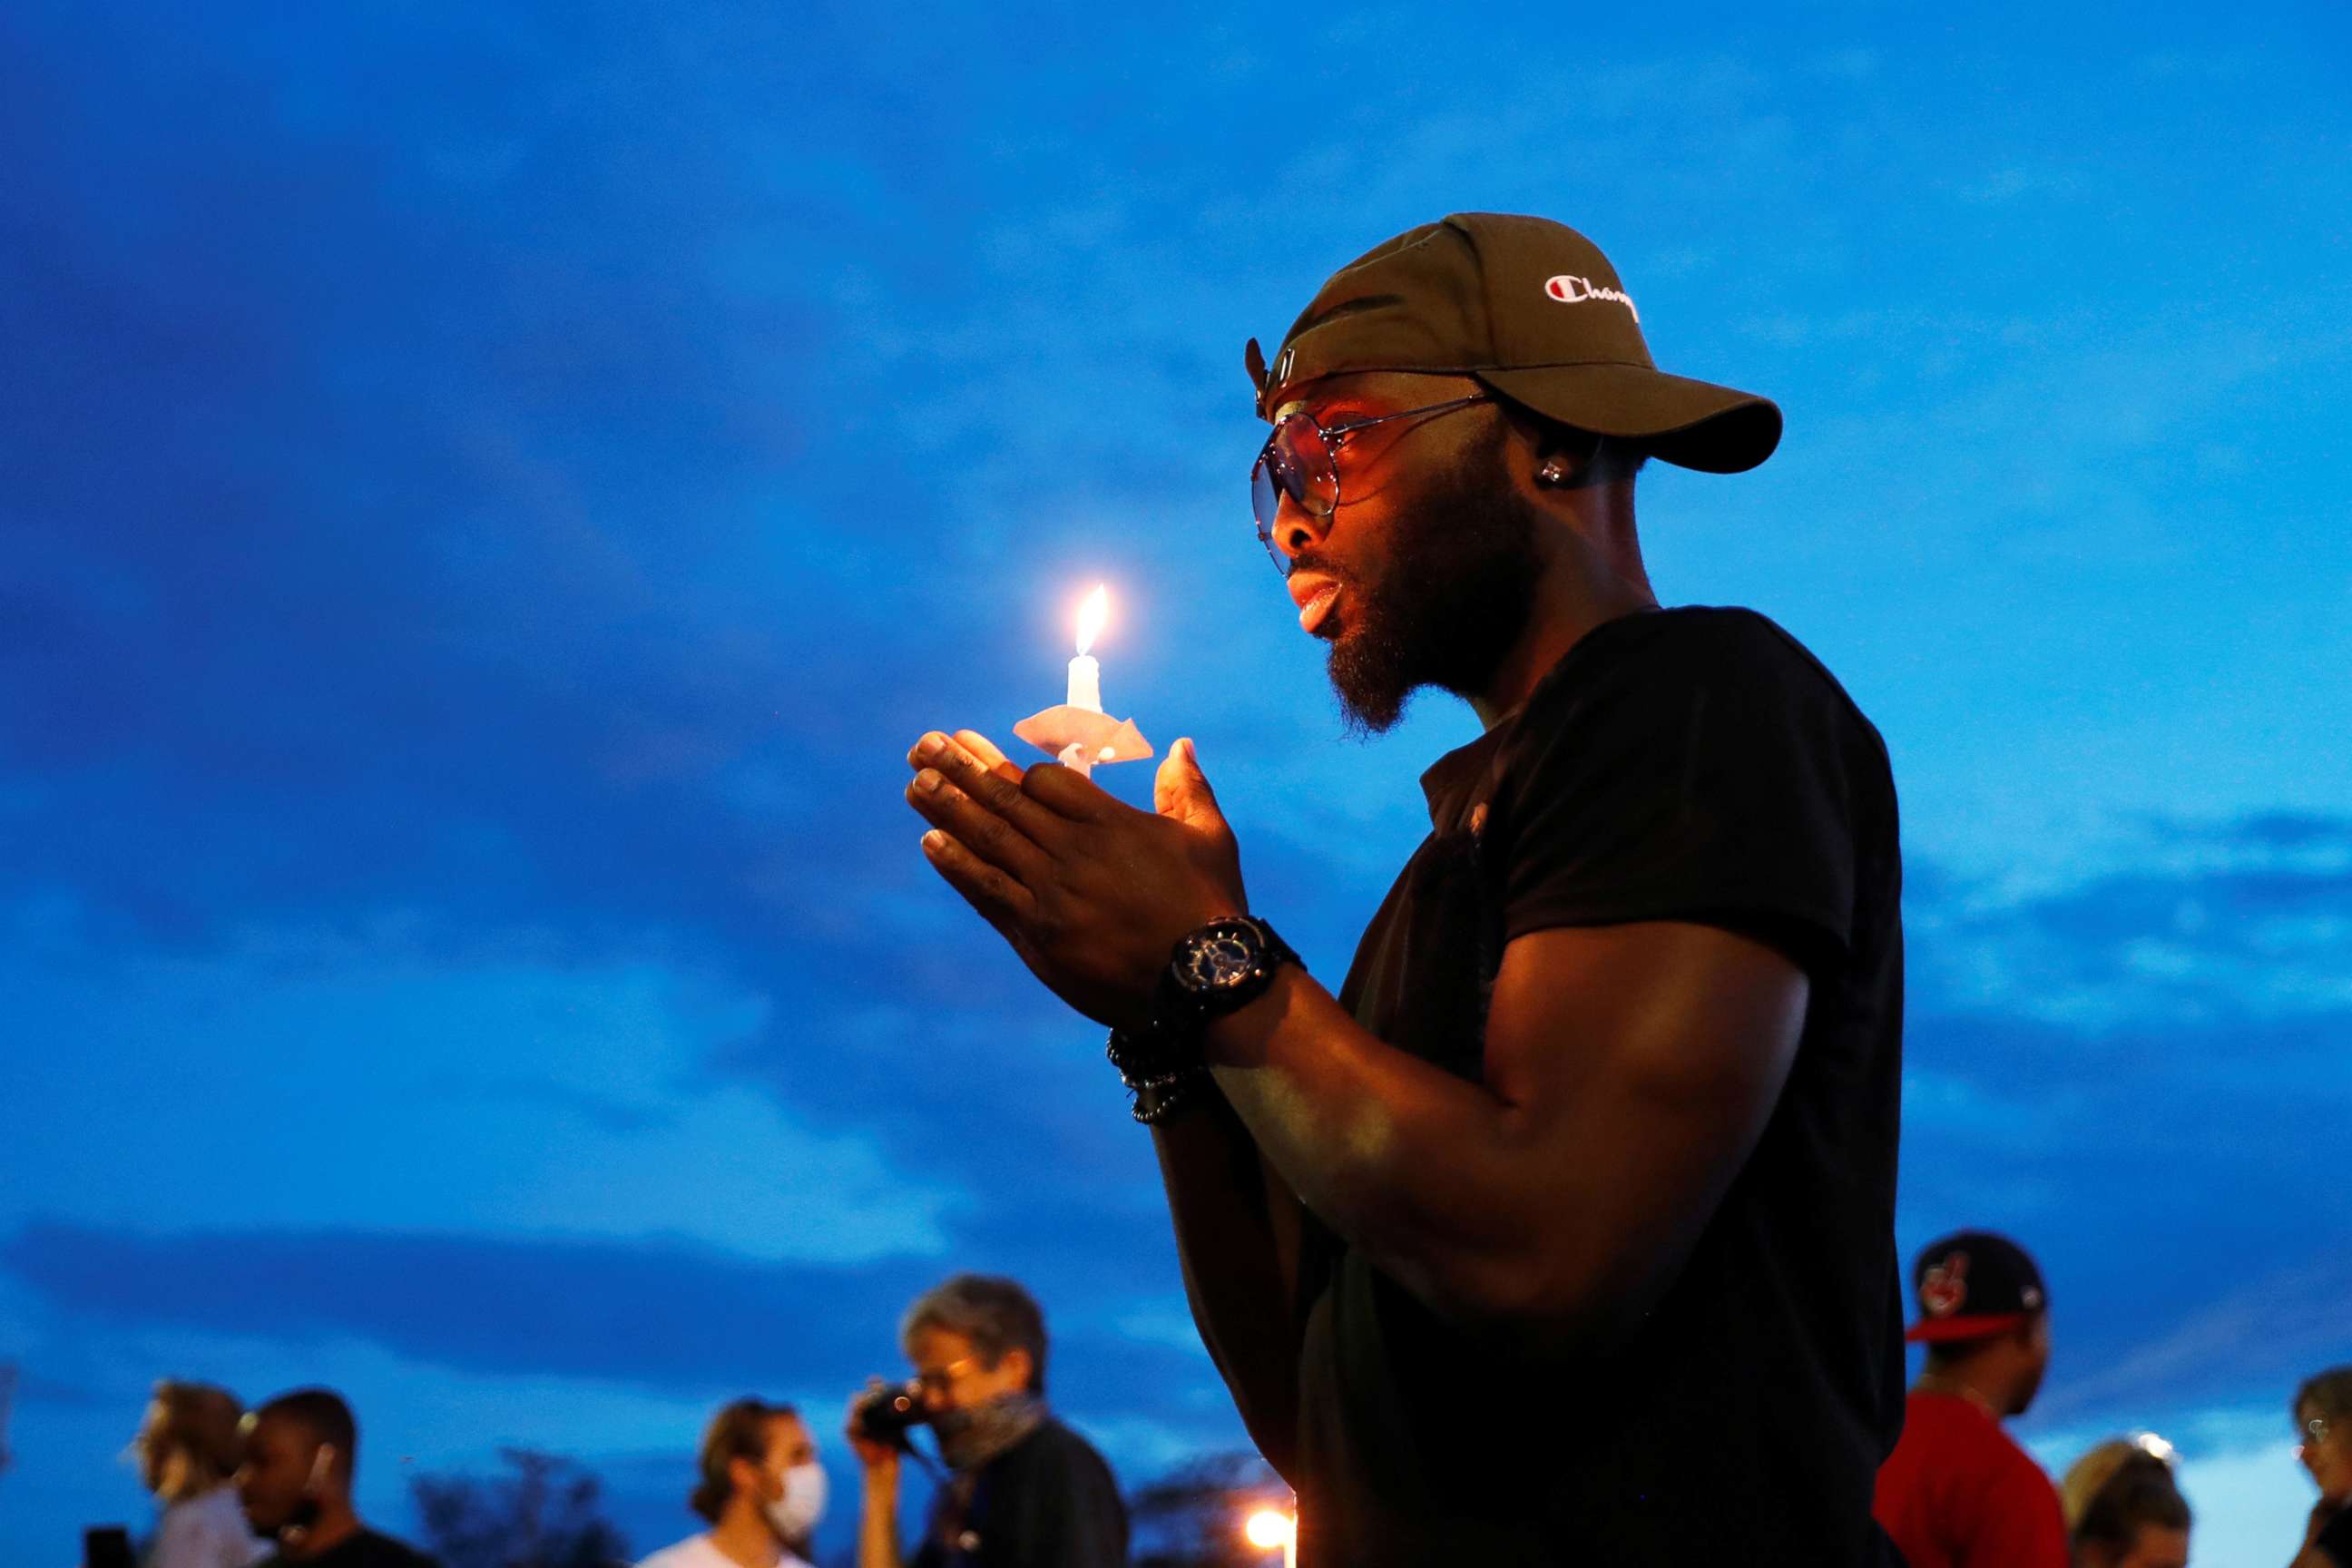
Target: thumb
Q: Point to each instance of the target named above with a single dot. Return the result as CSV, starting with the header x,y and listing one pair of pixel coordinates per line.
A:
x,y
1182,790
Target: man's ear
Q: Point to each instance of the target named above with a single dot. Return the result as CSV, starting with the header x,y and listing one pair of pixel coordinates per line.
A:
x,y
322,1465
1018,1361
1564,457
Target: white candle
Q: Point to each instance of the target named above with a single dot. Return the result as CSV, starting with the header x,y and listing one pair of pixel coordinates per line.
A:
x,y
1085,683
1086,673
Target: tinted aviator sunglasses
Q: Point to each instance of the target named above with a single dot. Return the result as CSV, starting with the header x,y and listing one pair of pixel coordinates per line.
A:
x,y
1300,460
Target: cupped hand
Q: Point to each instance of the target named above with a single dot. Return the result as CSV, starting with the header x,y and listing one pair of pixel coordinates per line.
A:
x,y
1091,892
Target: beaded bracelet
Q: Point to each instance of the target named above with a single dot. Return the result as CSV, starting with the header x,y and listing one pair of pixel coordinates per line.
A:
x,y
1164,1083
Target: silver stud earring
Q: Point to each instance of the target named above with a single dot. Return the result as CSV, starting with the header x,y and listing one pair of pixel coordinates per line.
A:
x,y
1551,474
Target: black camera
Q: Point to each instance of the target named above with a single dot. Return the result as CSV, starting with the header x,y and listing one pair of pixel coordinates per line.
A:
x,y
888,1414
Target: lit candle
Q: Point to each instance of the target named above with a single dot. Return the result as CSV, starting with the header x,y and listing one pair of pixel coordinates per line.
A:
x,y
1078,733
1086,673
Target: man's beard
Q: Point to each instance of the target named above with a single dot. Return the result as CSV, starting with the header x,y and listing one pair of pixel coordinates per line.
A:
x,y
1451,598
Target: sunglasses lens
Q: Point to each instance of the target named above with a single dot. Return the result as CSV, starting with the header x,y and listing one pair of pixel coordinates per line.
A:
x,y
1303,463
1265,499
1295,463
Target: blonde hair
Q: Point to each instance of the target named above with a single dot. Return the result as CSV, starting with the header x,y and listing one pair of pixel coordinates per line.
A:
x,y
196,1445
2117,1485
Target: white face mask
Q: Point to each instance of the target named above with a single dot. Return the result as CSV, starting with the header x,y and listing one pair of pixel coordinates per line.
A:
x,y
795,1514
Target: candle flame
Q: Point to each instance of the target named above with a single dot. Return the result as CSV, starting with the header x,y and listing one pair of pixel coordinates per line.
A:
x,y
1091,616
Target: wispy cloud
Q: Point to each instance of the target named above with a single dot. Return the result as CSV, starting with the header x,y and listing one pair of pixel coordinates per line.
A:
x,y
662,1316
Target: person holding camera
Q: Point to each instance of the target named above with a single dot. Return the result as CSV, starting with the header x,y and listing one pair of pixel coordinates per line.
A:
x,y
1022,1490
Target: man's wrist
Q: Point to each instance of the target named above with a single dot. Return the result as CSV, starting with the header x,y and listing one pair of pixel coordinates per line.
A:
x,y
1165,1076
1218,968
1214,971
1228,1034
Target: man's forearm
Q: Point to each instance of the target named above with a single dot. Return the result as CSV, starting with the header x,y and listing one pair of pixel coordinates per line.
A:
x,y
1239,1251
1392,1153
1627,1075
878,1521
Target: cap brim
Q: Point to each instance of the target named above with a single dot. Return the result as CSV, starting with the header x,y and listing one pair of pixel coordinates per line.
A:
x,y
1947,1331
1691,423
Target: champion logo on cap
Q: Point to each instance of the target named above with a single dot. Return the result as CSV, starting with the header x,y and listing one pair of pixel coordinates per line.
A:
x,y
1943,1289
1569,290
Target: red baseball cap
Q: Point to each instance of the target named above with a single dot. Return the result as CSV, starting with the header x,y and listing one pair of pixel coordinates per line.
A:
x,y
1972,1285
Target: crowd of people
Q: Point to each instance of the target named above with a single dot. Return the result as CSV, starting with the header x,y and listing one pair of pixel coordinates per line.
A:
x,y
1020,1488
274,1486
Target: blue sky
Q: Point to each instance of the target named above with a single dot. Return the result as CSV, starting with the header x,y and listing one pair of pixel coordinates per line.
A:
x,y
491,493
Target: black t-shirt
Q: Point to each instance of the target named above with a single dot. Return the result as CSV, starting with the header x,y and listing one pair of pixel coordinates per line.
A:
x,y
1048,1502
2335,1539
365,1550
1691,765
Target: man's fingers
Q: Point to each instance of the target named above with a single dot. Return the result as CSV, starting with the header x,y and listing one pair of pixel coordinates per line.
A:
x,y
985,833
1001,901
1069,793
998,790
1182,790
984,750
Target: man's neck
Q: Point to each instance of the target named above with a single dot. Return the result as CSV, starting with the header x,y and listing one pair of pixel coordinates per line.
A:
x,y
336,1523
1572,597
742,1536
1988,1393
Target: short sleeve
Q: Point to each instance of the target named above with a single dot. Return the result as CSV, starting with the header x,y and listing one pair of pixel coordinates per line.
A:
x,y
1695,771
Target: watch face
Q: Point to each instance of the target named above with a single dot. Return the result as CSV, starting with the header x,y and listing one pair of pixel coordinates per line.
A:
x,y
1220,959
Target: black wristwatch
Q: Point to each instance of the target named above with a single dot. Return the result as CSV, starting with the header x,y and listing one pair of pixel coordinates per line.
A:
x,y
1215,970
1221,968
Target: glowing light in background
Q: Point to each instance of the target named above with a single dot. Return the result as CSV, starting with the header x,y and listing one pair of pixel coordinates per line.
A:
x,y
1269,1527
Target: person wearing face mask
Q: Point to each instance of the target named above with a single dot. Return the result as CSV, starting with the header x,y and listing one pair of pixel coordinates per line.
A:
x,y
761,1489
1023,1490
301,1449
2323,1424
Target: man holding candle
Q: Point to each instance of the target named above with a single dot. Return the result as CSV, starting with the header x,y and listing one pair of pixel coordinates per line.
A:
x,y
1564,1231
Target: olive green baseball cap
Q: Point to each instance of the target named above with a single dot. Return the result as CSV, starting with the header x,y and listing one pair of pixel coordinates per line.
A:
x,y
1532,309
